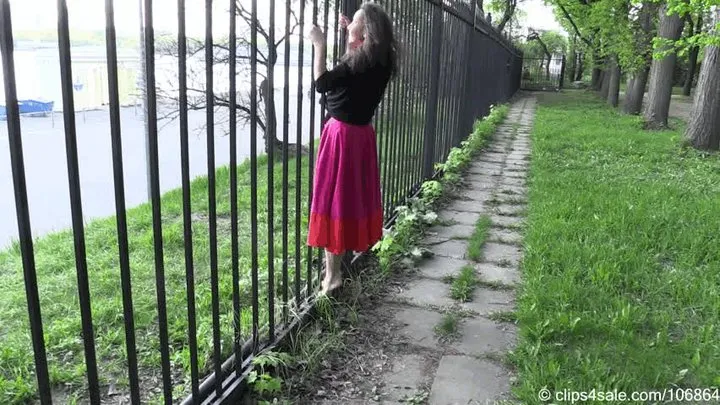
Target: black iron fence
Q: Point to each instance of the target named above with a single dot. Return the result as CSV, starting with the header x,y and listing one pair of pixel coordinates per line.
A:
x,y
543,74
169,301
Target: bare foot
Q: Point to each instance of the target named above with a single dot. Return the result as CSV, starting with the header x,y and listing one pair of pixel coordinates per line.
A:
x,y
330,284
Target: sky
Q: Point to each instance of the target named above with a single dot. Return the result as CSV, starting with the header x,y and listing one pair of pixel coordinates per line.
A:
x,y
538,15
90,15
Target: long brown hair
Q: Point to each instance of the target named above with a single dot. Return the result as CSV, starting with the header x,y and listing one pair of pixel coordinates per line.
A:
x,y
379,46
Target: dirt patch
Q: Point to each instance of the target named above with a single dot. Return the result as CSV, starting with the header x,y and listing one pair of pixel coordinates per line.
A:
x,y
354,373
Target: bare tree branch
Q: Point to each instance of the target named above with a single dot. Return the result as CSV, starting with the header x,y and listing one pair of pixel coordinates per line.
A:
x,y
572,22
510,6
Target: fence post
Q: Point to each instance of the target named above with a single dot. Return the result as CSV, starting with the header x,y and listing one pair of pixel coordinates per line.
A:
x,y
562,73
469,112
347,8
432,102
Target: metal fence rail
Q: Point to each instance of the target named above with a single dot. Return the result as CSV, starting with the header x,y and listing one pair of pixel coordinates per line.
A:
x,y
229,272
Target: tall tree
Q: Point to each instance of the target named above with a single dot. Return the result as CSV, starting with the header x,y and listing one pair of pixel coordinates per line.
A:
x,y
703,131
614,82
572,58
693,29
663,66
644,33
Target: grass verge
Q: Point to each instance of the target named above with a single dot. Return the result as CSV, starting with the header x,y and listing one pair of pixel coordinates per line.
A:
x,y
622,267
55,260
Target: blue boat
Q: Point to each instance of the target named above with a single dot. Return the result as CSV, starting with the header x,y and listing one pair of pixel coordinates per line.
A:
x,y
32,108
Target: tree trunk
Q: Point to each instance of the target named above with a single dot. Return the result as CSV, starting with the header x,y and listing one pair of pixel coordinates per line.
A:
x,y
580,69
614,83
636,93
661,73
644,36
703,130
628,90
693,56
597,76
547,68
573,61
605,86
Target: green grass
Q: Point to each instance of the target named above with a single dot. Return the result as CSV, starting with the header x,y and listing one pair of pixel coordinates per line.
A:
x,y
464,284
478,238
57,283
622,266
447,329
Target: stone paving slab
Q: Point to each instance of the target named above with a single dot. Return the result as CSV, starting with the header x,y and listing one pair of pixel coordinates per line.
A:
x,y
465,380
456,249
513,181
474,206
482,178
502,253
440,267
405,377
458,231
492,273
475,195
507,236
508,210
486,301
480,336
513,190
425,292
459,217
506,222
419,326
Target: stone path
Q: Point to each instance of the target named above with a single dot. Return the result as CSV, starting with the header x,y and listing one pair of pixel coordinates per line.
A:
x,y
400,356
471,369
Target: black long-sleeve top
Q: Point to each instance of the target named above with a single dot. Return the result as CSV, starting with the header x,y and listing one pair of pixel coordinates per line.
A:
x,y
353,97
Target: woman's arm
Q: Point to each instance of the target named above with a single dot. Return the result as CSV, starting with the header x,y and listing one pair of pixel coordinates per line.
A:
x,y
318,39
320,57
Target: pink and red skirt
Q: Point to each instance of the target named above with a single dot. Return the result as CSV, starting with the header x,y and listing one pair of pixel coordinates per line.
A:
x,y
346,212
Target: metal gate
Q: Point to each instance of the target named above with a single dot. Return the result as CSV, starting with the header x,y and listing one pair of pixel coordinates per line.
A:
x,y
543,74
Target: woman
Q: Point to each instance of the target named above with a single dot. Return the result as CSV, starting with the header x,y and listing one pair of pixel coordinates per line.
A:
x,y
346,213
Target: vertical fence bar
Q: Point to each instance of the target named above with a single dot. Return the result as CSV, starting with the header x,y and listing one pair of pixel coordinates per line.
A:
x,y
395,125
407,104
155,200
469,101
212,203
286,163
298,157
76,197
271,137
122,232
426,35
336,36
432,102
21,203
311,151
187,208
235,248
253,173
326,25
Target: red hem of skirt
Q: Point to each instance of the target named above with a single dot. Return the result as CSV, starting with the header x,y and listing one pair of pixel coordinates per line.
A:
x,y
341,235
